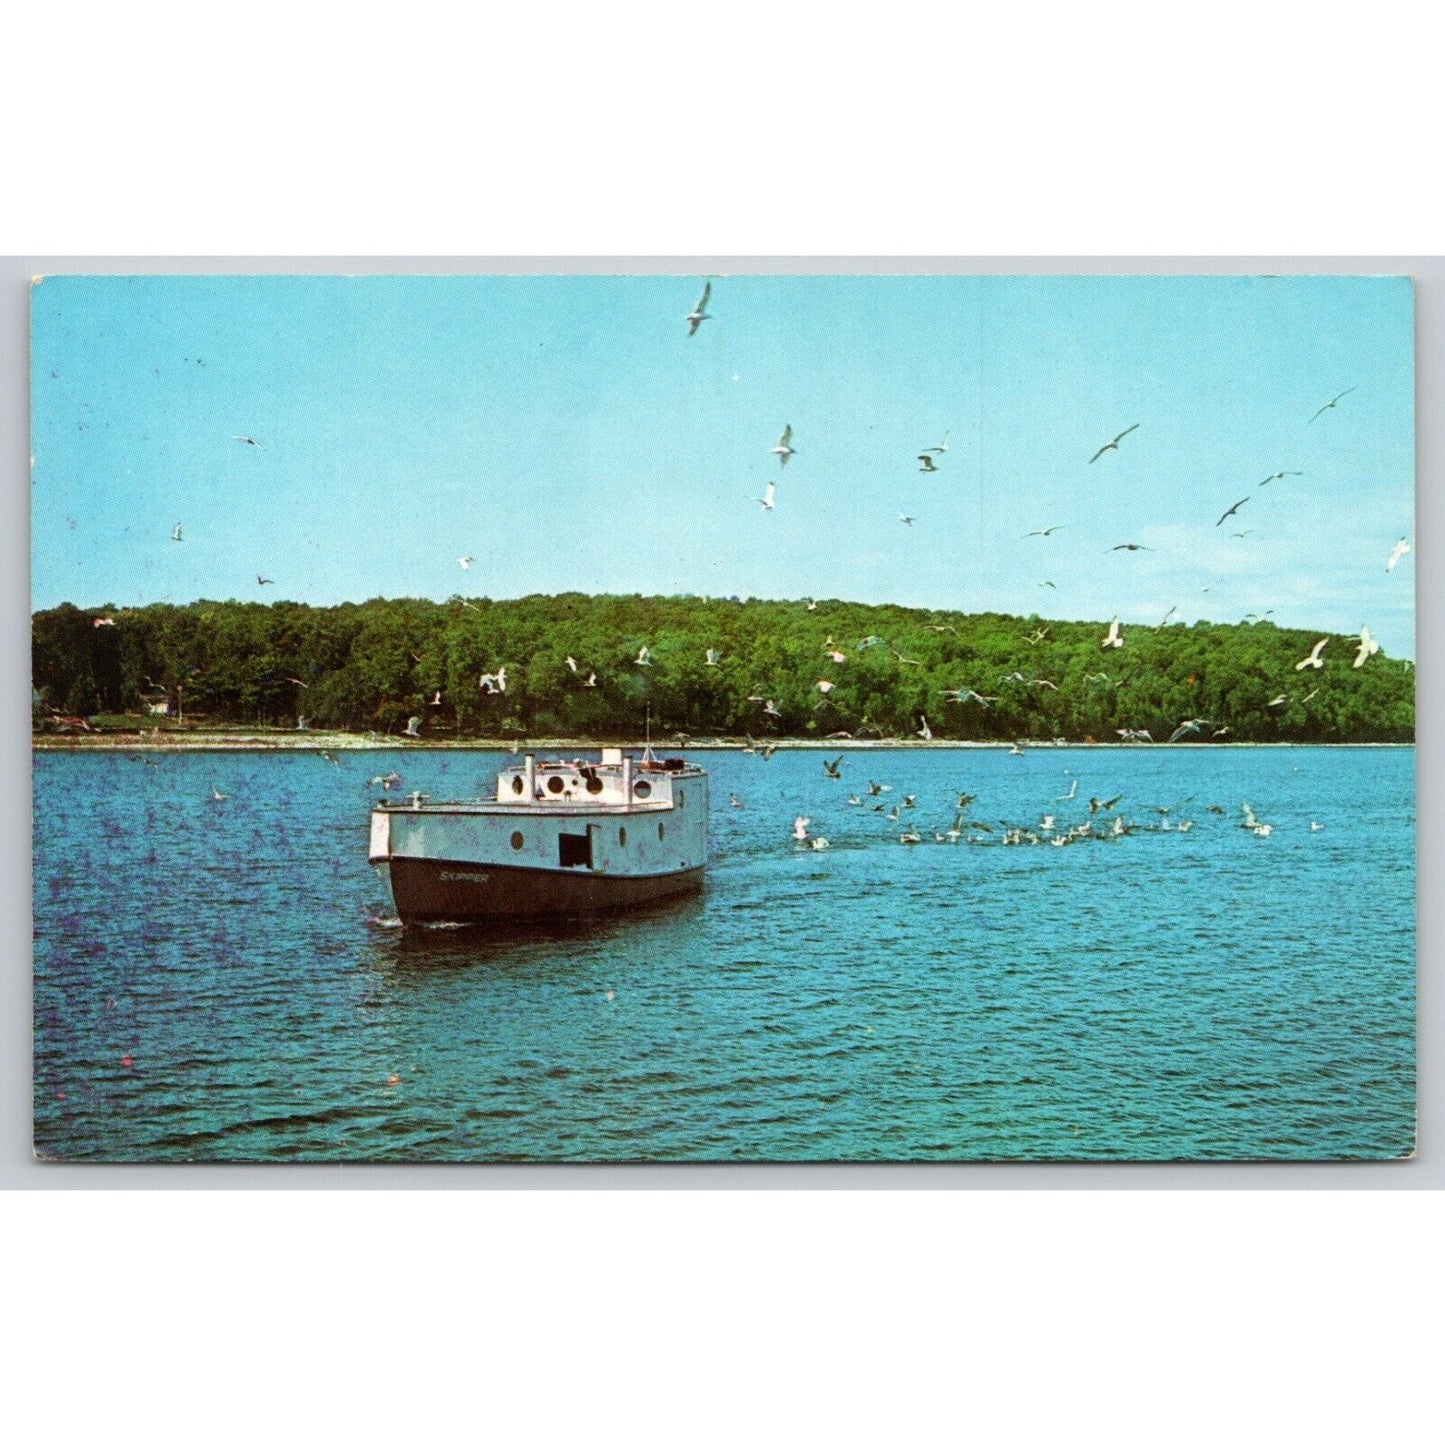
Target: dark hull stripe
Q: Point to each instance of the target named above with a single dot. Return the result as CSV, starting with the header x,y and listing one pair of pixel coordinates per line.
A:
x,y
436,891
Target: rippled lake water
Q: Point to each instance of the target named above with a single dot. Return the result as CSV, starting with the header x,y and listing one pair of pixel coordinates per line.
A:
x,y
224,980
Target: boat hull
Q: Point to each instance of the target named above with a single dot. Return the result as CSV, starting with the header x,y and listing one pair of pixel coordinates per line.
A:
x,y
429,890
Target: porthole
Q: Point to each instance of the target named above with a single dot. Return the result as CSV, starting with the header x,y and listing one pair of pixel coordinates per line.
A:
x,y
518,784
517,842
622,837
554,784
594,785
642,789
660,831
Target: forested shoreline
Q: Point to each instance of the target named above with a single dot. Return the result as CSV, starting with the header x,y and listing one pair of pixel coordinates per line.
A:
x,y
574,666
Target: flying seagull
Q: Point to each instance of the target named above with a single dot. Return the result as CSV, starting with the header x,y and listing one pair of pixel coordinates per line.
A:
x,y
784,448
465,562
1169,614
1275,476
1131,547
833,769
942,446
1231,511
926,463
713,657
265,581
905,519
699,313
766,500
1396,552
925,732
1333,400
643,658
1313,660
176,533
1112,638
1113,446
412,726
250,442
1044,531
1368,647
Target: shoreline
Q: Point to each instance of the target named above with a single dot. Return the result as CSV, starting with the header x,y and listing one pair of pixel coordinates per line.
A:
x,y
240,740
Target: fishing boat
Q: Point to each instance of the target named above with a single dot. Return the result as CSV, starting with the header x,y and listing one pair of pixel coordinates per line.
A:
x,y
559,838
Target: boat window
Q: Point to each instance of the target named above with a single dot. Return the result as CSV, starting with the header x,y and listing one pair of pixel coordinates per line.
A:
x,y
554,784
642,789
574,850
517,841
622,837
660,831
517,784
594,784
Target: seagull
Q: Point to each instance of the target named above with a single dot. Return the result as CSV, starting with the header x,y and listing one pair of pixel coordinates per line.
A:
x,y
784,448
927,463
1048,584
905,519
766,500
1045,531
303,724
1311,693
1275,476
1113,446
967,694
911,836
1168,615
733,801
1131,547
1278,701
643,658
1368,647
824,686
1248,532
925,732
836,657
811,605
250,442
818,844
713,657
591,680
1332,401
265,581
217,796
942,627
1107,804
1068,797
1034,638
1043,682
699,313
412,724
941,448
176,533
1231,511
104,621
436,699
833,769
868,642
490,682
1313,660
771,708
1189,725
1113,639
465,562
875,788
298,682
571,663
1396,552
800,828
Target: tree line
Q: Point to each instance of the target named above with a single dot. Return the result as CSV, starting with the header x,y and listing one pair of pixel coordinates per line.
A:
x,y
369,667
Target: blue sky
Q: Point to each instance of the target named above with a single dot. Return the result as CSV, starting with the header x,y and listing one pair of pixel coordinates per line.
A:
x,y
569,435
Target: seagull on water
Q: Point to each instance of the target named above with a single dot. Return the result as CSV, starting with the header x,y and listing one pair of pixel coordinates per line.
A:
x,y
217,796
1368,647
1326,407
699,313
1313,660
1113,446
800,828
784,448
1396,552
1112,638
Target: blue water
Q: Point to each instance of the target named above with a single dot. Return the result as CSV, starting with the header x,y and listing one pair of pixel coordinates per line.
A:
x,y
1204,994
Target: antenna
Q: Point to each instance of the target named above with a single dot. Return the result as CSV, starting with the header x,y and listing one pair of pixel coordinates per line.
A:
x,y
647,749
